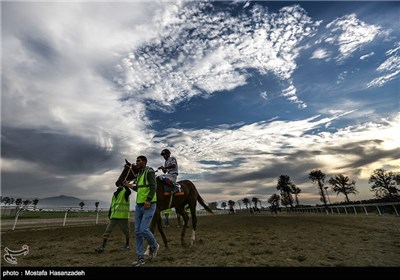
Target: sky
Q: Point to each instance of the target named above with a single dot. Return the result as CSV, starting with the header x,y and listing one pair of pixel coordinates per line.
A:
x,y
241,92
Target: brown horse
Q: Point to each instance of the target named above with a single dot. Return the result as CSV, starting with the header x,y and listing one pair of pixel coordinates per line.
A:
x,y
188,196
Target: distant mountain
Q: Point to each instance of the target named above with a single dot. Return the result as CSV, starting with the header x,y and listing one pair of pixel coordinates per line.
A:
x,y
69,201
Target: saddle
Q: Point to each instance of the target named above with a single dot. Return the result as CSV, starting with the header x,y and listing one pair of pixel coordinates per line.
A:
x,y
175,190
174,194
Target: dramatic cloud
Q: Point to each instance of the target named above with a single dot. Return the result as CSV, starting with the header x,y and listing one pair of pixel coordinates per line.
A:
x,y
204,53
390,68
241,92
350,34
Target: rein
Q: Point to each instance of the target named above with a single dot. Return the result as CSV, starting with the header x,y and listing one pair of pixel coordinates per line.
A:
x,y
127,173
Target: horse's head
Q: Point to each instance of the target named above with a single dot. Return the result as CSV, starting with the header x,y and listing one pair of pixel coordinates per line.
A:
x,y
128,173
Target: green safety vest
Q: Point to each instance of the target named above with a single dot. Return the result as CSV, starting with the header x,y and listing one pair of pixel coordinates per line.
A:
x,y
120,207
143,188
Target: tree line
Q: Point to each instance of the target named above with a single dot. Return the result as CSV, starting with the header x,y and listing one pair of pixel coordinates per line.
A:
x,y
384,185
19,202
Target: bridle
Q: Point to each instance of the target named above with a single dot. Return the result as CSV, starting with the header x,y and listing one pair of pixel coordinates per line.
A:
x,y
127,173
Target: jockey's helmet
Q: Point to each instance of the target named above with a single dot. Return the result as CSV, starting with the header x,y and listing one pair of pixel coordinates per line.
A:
x,y
165,152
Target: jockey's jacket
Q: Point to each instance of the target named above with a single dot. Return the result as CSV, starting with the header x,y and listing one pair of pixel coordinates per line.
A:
x,y
119,206
143,187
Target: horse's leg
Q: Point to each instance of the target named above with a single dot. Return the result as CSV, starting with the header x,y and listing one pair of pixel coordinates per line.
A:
x,y
185,218
194,223
178,216
158,221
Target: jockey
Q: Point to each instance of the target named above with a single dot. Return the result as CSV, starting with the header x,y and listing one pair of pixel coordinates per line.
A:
x,y
170,170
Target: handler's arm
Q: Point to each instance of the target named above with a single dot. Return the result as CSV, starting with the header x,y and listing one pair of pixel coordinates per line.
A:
x,y
151,178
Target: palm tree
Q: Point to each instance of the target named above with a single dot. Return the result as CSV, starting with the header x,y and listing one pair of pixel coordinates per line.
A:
x,y
231,204
97,205
18,201
296,191
223,205
240,204
35,202
246,202
6,200
384,183
26,203
342,184
81,204
318,176
274,201
284,185
255,201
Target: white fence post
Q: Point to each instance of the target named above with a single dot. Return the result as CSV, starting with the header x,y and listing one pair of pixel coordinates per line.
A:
x,y
97,217
16,216
395,210
379,211
65,216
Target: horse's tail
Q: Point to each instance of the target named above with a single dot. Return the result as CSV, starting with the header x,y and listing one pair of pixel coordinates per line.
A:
x,y
201,200
202,203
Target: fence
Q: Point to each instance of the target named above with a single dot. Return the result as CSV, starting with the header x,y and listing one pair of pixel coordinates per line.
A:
x,y
71,215
392,208
33,217
53,217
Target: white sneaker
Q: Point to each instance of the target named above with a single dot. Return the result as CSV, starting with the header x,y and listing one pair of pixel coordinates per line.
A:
x,y
139,262
153,251
147,253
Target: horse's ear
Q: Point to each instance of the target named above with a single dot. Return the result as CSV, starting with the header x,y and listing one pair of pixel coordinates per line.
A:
x,y
127,162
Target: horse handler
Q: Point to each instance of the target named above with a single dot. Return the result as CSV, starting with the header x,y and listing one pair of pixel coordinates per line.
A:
x,y
145,208
118,215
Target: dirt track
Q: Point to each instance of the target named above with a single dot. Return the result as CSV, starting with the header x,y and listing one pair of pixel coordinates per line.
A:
x,y
240,240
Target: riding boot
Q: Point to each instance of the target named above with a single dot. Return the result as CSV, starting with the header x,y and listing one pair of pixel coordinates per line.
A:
x,y
176,187
165,187
170,184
